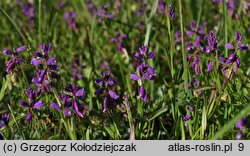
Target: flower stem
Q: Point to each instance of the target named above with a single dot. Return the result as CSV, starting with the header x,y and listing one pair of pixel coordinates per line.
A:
x,y
184,57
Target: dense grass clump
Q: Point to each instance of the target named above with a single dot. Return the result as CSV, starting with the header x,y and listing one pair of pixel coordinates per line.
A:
x,y
125,69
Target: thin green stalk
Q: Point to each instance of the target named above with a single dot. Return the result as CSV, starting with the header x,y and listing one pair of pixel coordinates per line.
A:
x,y
150,23
25,40
225,25
227,127
200,13
130,120
39,20
147,37
66,123
91,53
184,57
171,39
18,129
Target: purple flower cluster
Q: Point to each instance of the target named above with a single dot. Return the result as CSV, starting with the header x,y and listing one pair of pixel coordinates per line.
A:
x,y
161,7
49,68
212,44
106,85
91,7
32,103
72,101
102,13
118,40
70,18
231,7
171,12
76,69
29,10
238,41
5,118
233,59
242,124
197,33
144,71
189,115
14,59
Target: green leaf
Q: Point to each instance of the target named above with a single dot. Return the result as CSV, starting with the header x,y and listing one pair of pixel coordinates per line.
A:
x,y
158,113
3,89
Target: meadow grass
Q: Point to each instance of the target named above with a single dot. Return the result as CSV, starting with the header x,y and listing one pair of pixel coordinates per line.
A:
x,y
184,89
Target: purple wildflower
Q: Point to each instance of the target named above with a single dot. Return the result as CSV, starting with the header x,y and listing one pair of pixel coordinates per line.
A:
x,y
238,40
195,64
44,76
171,12
118,39
103,13
210,66
66,105
161,7
144,71
5,118
118,5
239,135
241,125
75,95
91,7
177,37
231,7
70,18
32,103
191,109
14,60
29,10
143,94
76,69
187,117
106,84
212,42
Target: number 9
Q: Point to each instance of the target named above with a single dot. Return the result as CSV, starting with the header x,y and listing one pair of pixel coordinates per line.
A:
x,y
241,146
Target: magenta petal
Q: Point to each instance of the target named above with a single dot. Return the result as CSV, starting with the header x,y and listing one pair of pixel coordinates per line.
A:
x,y
239,135
67,112
51,61
80,92
142,91
151,55
55,106
28,117
98,81
23,103
2,123
38,105
21,49
7,52
210,66
35,62
242,47
134,77
240,124
37,54
229,46
76,108
99,91
105,104
113,94
187,117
